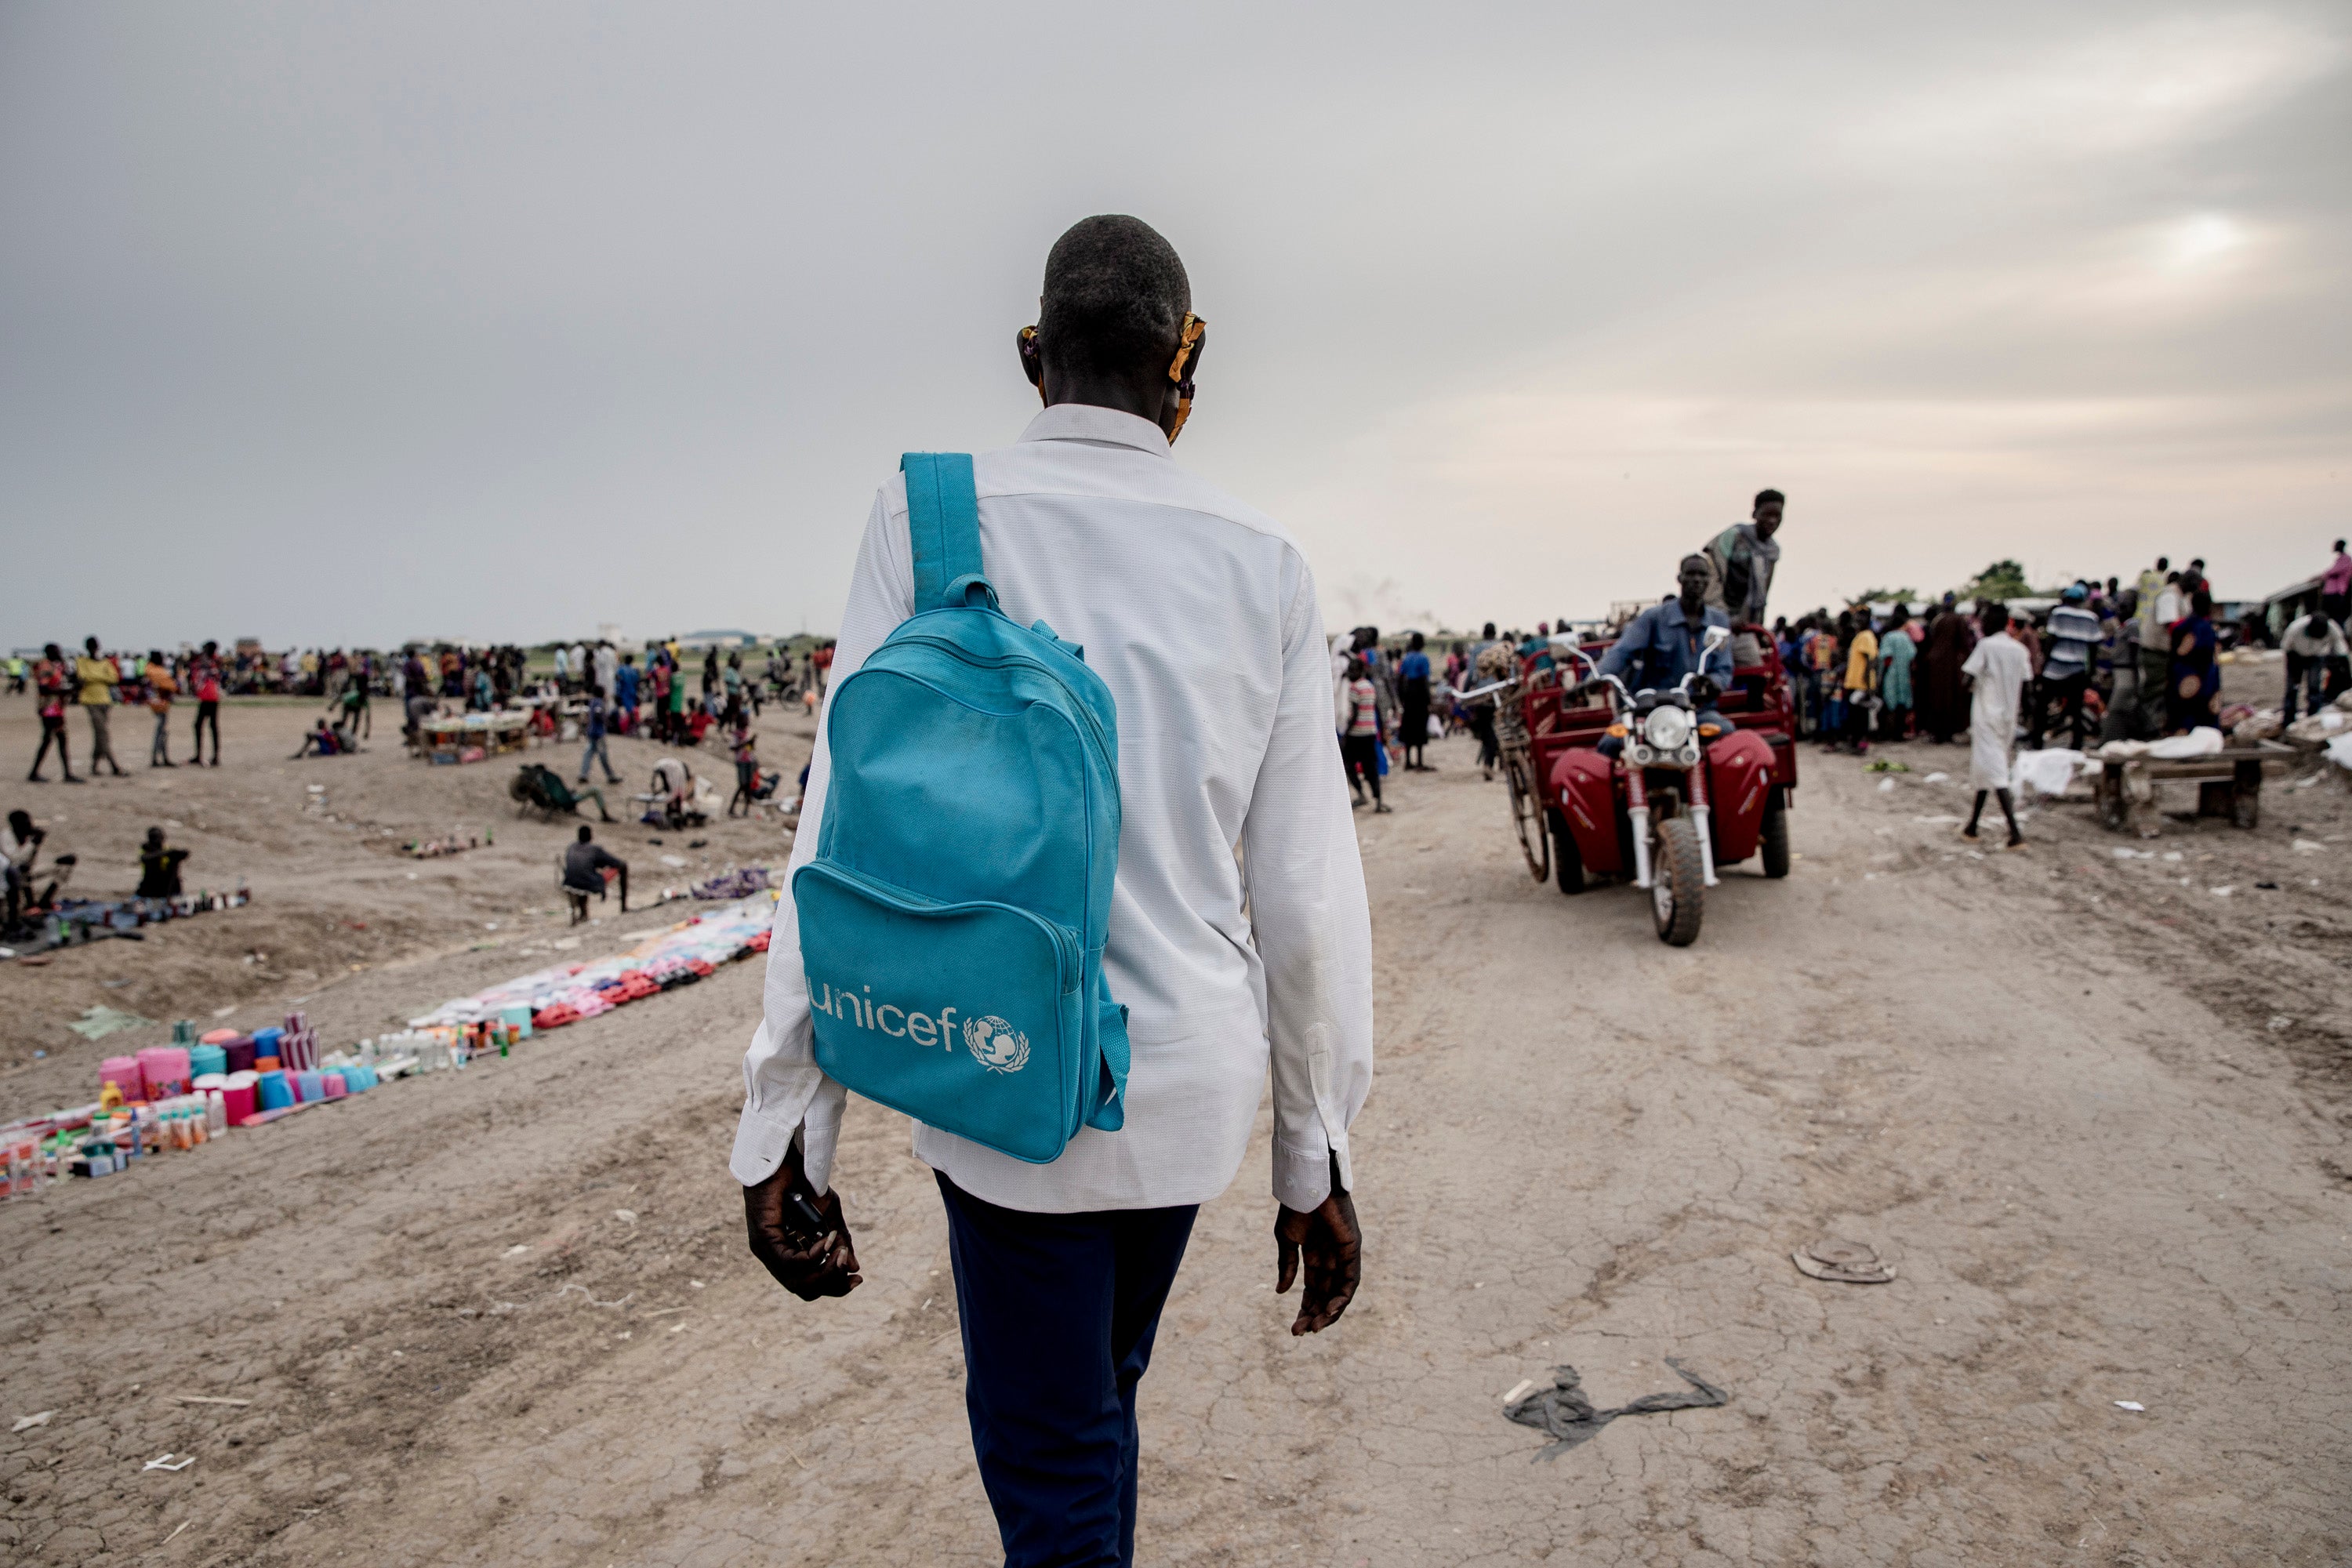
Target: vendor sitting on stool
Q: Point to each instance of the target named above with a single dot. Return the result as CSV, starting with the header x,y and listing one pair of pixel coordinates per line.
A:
x,y
1668,641
584,874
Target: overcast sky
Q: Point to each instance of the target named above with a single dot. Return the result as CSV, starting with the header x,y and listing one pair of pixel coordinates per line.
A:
x,y
352,324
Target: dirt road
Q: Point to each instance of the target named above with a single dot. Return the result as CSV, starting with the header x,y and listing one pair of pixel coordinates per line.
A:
x,y
2096,1116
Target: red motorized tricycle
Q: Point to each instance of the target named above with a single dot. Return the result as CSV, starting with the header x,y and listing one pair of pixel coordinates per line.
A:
x,y
1682,797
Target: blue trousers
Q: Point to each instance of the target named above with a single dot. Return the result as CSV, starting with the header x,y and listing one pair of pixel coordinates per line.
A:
x,y
1058,1315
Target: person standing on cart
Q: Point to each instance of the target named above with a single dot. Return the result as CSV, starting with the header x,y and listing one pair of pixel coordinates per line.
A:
x,y
1740,562
1668,641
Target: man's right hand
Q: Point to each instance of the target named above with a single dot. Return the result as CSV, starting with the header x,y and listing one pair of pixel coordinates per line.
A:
x,y
799,1237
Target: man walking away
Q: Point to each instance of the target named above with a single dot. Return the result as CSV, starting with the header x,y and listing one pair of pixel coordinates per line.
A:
x,y
1200,615
2336,589
597,751
1485,672
2074,635
585,864
97,677
53,684
2000,668
2310,643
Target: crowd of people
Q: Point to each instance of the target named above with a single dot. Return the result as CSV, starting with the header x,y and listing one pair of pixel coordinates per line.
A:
x,y
2111,660
670,697
96,683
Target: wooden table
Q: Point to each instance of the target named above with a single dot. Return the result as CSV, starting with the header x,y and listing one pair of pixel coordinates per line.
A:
x,y
2229,784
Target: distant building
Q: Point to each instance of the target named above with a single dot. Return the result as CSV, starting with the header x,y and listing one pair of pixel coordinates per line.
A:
x,y
724,637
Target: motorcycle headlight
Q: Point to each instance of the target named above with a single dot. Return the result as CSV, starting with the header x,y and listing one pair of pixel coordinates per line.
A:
x,y
1668,729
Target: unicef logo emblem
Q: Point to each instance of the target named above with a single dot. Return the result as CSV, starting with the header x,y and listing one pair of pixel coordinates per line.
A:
x,y
996,1045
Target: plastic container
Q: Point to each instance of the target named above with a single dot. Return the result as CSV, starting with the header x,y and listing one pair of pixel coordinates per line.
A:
x,y
267,1064
218,1036
276,1092
238,1049
265,1041
204,1059
123,1073
331,1085
238,1094
165,1068
311,1085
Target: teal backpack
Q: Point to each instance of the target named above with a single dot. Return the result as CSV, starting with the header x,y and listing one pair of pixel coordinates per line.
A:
x,y
954,921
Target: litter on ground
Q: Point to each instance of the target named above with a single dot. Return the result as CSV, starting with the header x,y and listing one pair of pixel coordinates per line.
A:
x,y
1564,1413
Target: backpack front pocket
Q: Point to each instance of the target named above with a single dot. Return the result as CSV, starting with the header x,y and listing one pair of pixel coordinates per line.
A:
x,y
964,1015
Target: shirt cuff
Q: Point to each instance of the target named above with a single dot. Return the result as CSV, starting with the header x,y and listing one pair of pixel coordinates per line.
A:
x,y
761,1143
762,1138
1302,1177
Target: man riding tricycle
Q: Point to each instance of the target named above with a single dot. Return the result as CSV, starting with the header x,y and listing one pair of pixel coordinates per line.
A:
x,y
1686,765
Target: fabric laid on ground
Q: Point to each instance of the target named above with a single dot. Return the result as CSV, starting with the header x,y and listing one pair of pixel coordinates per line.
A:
x,y
679,955
1564,1413
98,1022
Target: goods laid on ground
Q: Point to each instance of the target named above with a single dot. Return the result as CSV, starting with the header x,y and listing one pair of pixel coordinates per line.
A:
x,y
77,920
472,737
733,884
678,956
455,842
2229,776
177,1097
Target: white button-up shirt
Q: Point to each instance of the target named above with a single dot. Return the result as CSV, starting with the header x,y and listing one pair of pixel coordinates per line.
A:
x,y
1239,930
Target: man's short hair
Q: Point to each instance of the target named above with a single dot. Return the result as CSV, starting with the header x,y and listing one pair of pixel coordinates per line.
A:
x,y
584,833
1693,561
1775,497
1115,298
1996,616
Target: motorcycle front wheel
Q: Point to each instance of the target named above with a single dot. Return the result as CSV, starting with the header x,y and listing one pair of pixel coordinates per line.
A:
x,y
1677,882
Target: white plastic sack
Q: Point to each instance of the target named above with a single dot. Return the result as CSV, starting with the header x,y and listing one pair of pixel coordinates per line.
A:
x,y
1436,728
2315,730
2202,742
2048,772
2339,752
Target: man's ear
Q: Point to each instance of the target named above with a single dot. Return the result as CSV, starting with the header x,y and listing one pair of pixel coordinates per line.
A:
x,y
1033,363
1178,385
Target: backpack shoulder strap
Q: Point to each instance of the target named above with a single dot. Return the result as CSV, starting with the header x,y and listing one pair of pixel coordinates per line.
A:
x,y
943,524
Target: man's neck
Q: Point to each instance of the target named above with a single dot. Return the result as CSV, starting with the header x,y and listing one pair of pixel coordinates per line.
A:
x,y
1143,395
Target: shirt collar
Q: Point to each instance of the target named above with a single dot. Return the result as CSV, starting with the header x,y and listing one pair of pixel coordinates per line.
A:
x,y
1088,422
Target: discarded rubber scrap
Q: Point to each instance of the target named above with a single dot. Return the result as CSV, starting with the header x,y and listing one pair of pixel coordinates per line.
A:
x,y
1564,1413
1846,1262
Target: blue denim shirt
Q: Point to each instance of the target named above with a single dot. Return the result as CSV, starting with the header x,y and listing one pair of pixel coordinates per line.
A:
x,y
1660,646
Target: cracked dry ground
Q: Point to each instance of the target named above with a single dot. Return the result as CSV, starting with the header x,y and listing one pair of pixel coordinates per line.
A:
x,y
2048,1086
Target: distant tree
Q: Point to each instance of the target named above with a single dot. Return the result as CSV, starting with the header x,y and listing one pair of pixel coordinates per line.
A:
x,y
1884,595
2002,580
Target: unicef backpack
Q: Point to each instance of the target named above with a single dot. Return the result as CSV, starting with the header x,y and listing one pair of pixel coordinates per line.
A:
x,y
954,921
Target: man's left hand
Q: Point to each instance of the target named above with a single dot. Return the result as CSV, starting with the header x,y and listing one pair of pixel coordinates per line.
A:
x,y
1332,1244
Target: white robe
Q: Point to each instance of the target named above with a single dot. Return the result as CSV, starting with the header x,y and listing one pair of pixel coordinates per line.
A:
x,y
2002,669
